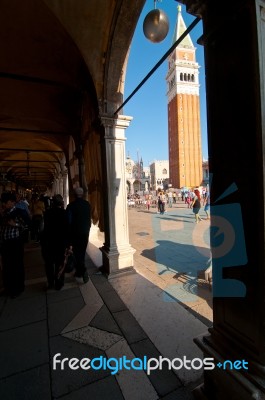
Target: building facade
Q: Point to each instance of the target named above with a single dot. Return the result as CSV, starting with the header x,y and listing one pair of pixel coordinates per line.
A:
x,y
159,174
137,176
184,133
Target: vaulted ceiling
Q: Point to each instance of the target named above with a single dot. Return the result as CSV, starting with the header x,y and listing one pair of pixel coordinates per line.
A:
x,y
53,51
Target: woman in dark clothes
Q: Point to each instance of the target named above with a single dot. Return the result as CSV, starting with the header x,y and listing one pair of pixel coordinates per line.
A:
x,y
54,241
196,205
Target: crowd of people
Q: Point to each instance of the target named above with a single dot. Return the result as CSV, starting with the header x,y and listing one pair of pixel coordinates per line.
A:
x,y
60,231
195,200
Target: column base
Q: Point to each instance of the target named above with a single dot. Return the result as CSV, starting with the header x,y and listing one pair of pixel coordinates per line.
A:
x,y
117,261
198,393
123,271
220,383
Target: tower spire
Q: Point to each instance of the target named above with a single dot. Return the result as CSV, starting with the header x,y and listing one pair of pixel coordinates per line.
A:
x,y
180,28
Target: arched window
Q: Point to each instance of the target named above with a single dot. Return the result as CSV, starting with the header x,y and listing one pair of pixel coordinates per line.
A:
x,y
185,77
181,76
164,172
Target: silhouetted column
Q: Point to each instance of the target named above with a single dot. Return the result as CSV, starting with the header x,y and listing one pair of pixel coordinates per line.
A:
x,y
234,42
117,252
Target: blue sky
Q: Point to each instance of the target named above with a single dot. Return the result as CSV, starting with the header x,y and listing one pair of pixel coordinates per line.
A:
x,y
147,135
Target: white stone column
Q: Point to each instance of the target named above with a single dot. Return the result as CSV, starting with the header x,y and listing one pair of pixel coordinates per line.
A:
x,y
65,187
61,184
117,251
56,186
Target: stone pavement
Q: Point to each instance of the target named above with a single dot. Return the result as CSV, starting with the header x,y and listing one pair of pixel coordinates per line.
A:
x,y
156,311
172,251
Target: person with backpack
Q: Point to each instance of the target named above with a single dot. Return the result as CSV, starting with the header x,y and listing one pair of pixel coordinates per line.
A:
x,y
12,224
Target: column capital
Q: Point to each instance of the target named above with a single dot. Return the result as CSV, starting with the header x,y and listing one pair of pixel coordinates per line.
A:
x,y
120,121
115,126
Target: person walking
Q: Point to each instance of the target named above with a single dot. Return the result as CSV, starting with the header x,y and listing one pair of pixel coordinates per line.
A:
x,y
206,204
164,200
13,221
79,221
23,204
196,205
37,211
170,199
54,241
161,205
148,202
189,201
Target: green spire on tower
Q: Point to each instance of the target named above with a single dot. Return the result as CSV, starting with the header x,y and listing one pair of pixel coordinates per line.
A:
x,y
179,29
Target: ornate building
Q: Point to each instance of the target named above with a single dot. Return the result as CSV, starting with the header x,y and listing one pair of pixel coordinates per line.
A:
x,y
184,135
137,176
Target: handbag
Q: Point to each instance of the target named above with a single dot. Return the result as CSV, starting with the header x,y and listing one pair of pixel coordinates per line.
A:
x,y
68,264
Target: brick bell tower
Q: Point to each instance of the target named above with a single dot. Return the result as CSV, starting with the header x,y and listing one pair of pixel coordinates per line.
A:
x,y
184,133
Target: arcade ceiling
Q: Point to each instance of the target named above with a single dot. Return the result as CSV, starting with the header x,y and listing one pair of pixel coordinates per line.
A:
x,y
52,52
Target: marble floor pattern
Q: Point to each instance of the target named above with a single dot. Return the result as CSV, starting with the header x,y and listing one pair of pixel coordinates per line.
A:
x,y
133,315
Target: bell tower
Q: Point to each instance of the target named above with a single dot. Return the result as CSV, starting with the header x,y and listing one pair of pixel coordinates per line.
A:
x,y
184,133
